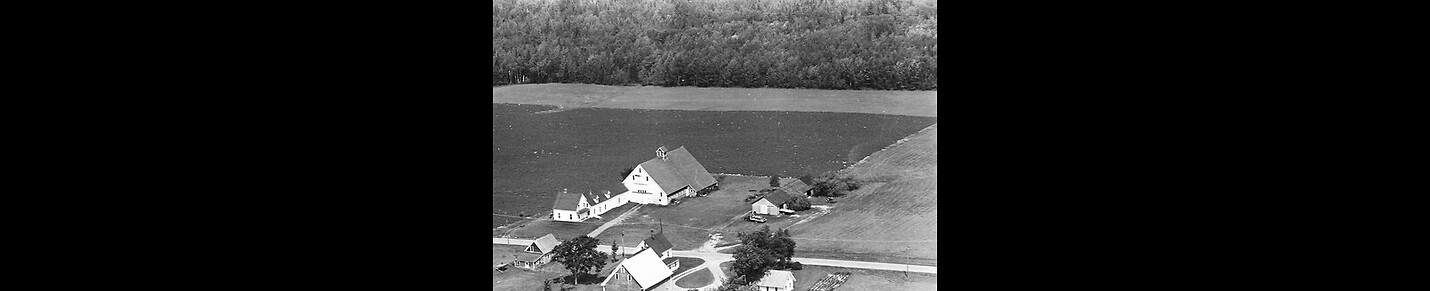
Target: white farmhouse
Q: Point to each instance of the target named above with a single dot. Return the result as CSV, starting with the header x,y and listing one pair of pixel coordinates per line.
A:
x,y
670,175
639,272
776,280
538,253
577,207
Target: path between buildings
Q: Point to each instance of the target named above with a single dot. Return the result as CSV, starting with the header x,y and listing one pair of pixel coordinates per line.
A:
x,y
614,221
716,258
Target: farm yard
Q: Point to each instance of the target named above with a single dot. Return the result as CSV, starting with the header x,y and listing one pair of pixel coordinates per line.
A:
x,y
536,154
897,203
715,211
569,96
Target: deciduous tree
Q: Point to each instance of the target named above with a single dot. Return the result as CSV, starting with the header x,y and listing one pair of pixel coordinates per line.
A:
x,y
579,255
760,251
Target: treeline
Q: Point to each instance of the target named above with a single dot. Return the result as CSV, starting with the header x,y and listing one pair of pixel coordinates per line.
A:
x,y
824,44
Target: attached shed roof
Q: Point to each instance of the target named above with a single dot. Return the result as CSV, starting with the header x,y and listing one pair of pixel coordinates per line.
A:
x,y
678,170
776,198
567,200
776,278
646,268
794,186
546,243
658,242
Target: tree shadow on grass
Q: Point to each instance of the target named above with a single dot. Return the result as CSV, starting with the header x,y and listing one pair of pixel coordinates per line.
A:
x,y
586,279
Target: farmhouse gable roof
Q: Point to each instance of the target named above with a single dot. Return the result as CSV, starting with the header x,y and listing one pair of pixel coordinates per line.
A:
x,y
658,242
678,170
597,197
567,200
546,243
646,268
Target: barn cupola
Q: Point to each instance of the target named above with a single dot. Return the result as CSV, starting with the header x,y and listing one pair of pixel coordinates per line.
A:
x,y
660,153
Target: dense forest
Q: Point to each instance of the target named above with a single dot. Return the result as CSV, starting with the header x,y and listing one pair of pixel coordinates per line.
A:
x,y
824,44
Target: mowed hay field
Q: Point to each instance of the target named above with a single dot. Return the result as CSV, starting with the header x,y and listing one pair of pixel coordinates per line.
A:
x,y
898,203
535,154
911,103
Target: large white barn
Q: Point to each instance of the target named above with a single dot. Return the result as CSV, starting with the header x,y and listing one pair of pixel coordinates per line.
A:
x,y
669,176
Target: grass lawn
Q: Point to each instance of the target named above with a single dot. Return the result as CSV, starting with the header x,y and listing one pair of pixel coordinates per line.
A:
x,y
702,214
687,263
902,206
518,278
523,279
861,279
914,103
562,230
696,280
536,228
535,155
502,254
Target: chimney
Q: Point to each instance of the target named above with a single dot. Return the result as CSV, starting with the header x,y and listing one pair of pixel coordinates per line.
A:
x,y
660,153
